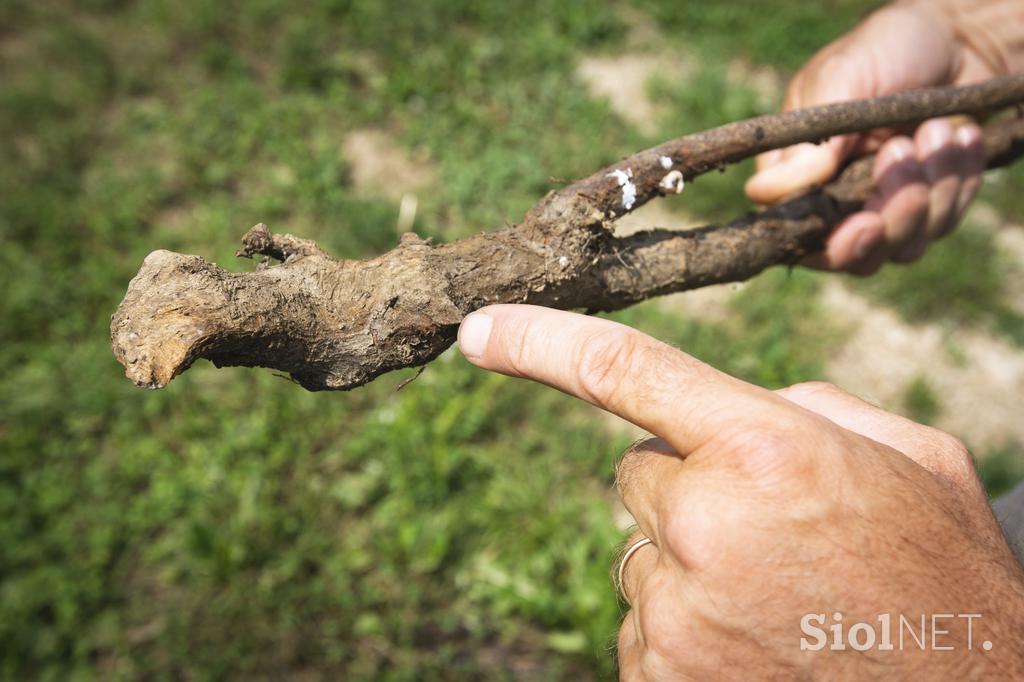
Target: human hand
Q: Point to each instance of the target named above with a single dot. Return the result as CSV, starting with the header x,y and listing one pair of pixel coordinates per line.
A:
x,y
923,182
764,507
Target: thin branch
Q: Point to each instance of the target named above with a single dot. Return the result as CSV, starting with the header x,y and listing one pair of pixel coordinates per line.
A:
x,y
712,149
337,324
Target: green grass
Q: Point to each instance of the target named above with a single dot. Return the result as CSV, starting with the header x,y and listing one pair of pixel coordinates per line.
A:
x,y
233,526
961,282
704,100
776,333
920,402
1002,189
781,34
1002,468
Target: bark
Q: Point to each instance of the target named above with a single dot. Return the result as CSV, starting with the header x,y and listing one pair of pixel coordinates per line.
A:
x,y
337,324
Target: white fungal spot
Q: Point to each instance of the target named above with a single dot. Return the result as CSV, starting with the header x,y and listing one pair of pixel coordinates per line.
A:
x,y
621,176
665,162
628,188
563,262
673,182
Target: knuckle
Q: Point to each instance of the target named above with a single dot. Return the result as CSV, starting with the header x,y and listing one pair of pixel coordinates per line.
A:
x,y
685,530
908,211
895,156
664,635
768,455
953,451
662,647
947,457
949,443
810,389
604,360
516,344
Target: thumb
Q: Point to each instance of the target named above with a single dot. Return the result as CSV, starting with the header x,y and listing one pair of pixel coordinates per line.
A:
x,y
784,172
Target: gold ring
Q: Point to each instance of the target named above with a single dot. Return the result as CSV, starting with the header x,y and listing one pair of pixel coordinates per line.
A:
x,y
633,549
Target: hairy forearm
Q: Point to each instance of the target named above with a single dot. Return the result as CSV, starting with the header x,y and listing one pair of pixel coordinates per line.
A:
x,y
991,31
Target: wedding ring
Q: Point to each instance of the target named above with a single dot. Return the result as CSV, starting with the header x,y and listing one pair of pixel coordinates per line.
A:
x,y
633,549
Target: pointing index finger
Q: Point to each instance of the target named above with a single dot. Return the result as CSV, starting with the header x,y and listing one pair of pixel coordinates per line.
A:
x,y
630,374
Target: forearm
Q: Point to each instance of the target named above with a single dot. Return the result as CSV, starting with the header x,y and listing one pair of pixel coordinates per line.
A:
x,y
991,31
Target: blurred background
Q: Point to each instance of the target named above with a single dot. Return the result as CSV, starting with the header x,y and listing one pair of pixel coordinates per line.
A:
x,y
234,526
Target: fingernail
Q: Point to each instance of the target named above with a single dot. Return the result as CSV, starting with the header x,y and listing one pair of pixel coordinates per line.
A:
x,y
968,135
473,334
938,134
900,149
865,242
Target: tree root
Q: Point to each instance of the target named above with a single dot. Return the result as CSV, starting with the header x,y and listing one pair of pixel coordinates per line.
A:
x,y
336,324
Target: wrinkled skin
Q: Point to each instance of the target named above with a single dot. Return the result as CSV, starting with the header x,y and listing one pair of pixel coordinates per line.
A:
x,y
765,506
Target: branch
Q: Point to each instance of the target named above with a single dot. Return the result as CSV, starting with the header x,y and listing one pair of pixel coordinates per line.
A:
x,y
337,324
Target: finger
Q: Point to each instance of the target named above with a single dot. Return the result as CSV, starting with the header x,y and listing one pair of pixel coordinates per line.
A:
x,y
871,141
933,449
629,650
972,167
941,157
851,242
780,173
769,158
798,168
647,479
644,381
901,198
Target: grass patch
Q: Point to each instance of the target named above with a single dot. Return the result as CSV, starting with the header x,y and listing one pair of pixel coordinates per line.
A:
x,y
232,525
776,333
705,100
1002,189
961,281
920,402
784,34
1001,469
